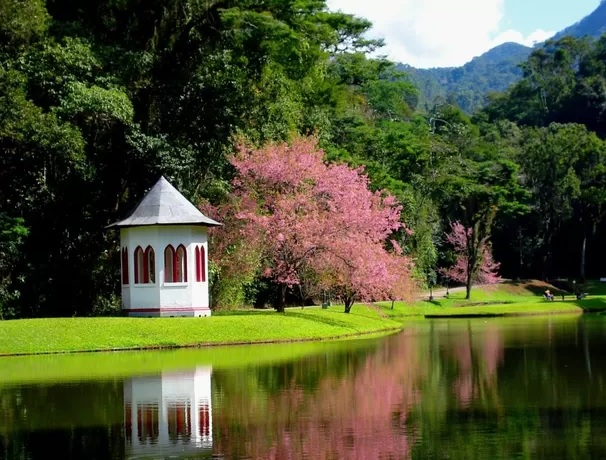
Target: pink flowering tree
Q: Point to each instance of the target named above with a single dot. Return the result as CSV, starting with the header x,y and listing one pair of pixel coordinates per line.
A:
x,y
474,263
314,218
363,270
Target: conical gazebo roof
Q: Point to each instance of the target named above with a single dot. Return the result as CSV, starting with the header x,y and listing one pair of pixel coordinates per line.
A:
x,y
164,205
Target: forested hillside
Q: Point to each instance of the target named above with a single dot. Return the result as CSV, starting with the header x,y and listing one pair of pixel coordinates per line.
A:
x,y
99,98
469,85
592,25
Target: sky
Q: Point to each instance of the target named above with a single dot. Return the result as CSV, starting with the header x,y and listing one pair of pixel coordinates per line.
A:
x,y
445,33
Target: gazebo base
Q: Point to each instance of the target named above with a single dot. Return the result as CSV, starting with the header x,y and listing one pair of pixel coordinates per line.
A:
x,y
167,311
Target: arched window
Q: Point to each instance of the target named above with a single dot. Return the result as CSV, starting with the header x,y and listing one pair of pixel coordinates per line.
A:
x,y
145,265
197,254
200,264
124,266
180,273
175,264
139,266
149,260
169,264
204,419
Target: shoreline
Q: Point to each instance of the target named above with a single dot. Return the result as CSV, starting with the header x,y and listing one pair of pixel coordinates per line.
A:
x,y
48,336
118,334
358,335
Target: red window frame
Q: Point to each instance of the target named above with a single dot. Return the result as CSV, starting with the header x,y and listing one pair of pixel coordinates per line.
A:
x,y
124,265
139,264
200,264
145,269
169,262
149,265
180,265
175,264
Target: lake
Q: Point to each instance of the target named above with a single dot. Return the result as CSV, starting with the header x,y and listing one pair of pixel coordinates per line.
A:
x,y
485,388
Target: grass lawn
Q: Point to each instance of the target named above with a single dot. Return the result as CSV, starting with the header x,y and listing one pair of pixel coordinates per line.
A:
x,y
56,335
61,335
506,299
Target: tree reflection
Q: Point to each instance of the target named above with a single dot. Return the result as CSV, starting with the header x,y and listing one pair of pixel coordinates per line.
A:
x,y
477,364
357,409
496,389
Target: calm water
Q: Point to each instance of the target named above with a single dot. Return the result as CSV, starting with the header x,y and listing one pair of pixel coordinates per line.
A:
x,y
486,389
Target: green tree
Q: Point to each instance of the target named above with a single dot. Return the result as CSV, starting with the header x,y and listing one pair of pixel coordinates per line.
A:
x,y
475,184
12,233
548,163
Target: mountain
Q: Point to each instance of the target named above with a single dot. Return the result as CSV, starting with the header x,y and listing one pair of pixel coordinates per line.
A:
x,y
593,25
468,85
493,71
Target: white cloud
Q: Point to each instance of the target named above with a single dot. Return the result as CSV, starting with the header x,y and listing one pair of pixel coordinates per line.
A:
x,y
535,37
436,33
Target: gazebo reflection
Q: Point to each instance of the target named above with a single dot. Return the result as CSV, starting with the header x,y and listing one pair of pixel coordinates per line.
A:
x,y
168,414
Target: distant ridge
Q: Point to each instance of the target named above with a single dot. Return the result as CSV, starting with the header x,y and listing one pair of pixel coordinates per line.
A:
x,y
592,25
494,71
468,85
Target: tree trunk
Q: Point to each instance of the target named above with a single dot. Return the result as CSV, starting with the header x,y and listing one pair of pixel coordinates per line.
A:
x,y
349,300
583,253
470,265
281,299
520,254
472,257
302,297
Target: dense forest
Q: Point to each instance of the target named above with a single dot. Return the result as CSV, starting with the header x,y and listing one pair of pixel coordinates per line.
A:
x,y
100,98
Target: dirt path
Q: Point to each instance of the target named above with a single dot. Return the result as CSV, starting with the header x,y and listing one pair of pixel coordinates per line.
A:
x,y
441,292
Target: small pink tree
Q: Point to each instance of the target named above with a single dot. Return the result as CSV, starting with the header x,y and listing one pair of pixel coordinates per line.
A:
x,y
313,217
474,262
365,271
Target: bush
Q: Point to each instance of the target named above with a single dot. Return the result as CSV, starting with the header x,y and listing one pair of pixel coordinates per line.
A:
x,y
107,306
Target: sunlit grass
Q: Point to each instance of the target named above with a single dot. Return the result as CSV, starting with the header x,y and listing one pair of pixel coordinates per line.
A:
x,y
60,335
53,335
501,300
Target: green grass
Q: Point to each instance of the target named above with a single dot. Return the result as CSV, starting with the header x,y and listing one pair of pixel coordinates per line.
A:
x,y
507,299
56,335
594,287
62,335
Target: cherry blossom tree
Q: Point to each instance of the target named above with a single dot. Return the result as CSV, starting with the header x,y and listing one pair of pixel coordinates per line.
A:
x,y
474,262
365,271
314,217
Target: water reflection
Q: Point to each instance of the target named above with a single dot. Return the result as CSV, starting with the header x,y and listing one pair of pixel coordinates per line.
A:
x,y
169,414
351,405
498,388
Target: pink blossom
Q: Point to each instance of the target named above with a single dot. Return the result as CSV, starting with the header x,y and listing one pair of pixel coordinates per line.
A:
x,y
309,216
486,270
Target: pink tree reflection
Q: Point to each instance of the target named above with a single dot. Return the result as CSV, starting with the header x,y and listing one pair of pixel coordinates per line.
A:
x,y
360,415
478,357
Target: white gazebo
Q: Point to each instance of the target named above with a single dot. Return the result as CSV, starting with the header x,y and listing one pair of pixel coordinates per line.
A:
x,y
164,249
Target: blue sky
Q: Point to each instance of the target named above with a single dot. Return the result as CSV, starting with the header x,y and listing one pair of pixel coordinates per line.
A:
x,y
442,33
529,15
